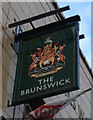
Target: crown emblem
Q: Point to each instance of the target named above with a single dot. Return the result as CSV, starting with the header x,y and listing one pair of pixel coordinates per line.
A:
x,y
48,40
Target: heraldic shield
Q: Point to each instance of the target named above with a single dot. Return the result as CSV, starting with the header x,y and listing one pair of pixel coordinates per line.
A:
x,y
47,60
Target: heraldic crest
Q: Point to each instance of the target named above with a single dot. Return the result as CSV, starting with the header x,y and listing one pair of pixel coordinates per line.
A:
x,y
48,60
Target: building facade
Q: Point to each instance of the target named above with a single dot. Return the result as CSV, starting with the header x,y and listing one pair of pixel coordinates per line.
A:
x,y
81,108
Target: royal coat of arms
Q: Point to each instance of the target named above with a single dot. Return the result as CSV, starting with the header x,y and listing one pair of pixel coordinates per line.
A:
x,y
48,60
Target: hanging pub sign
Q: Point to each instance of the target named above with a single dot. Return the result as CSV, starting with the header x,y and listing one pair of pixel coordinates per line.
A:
x,y
47,62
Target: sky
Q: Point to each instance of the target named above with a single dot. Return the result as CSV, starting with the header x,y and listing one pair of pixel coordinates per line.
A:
x,y
84,10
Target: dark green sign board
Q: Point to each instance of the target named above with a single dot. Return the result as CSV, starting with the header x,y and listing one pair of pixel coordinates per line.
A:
x,y
47,62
